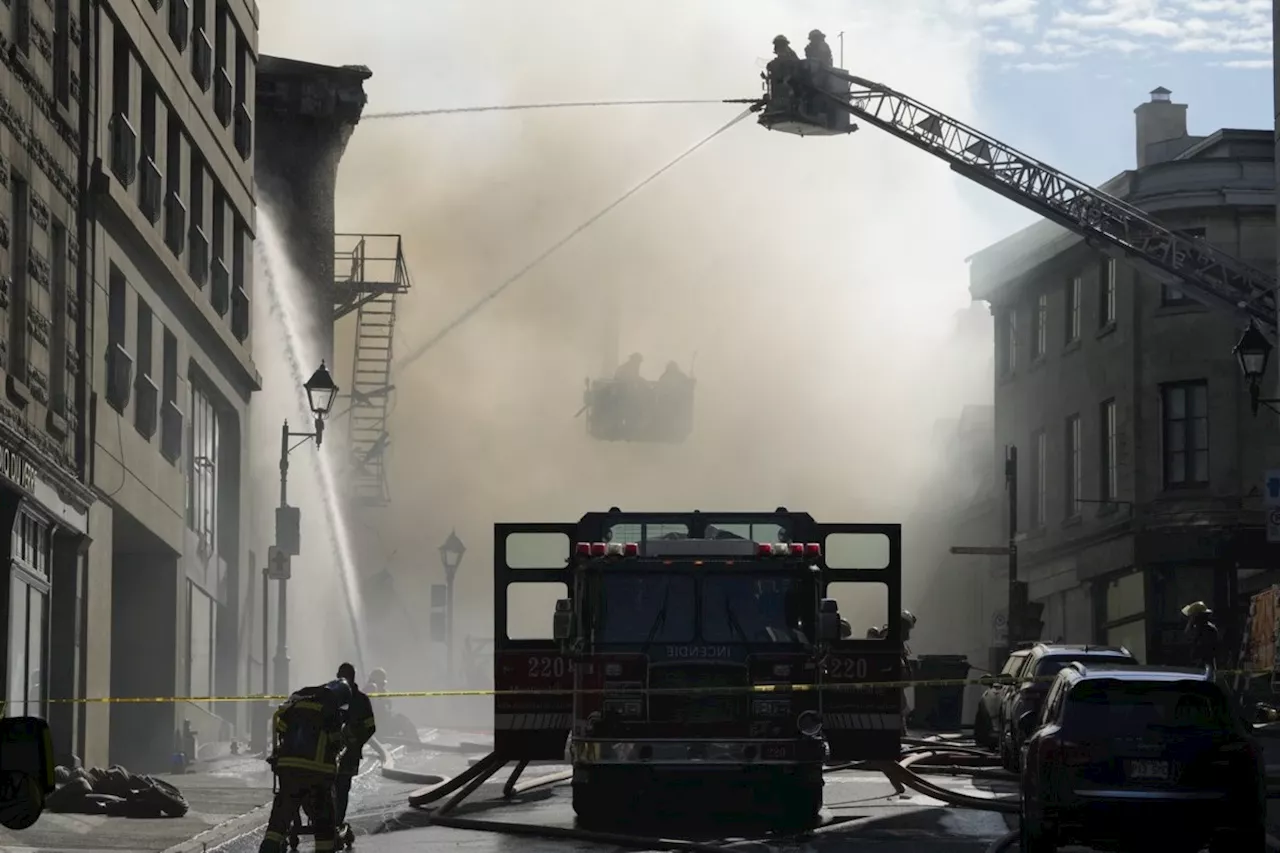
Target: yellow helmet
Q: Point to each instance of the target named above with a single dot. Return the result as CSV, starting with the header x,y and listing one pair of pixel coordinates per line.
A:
x,y
1196,608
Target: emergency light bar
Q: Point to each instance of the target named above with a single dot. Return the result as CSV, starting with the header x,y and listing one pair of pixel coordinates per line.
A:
x,y
700,548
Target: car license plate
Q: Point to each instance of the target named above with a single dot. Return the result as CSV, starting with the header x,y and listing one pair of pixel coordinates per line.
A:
x,y
1148,770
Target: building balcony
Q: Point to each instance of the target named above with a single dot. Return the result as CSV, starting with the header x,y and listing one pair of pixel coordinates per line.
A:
x,y
220,293
151,190
223,93
240,314
180,23
119,374
244,131
202,59
198,256
175,223
124,149
171,431
146,409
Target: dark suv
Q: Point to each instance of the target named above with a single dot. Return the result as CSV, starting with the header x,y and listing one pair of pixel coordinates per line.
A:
x,y
1030,686
1121,752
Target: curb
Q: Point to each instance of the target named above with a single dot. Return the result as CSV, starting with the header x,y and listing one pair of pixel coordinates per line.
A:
x,y
221,833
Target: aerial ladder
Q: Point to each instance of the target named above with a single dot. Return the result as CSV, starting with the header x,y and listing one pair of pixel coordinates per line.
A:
x,y
811,101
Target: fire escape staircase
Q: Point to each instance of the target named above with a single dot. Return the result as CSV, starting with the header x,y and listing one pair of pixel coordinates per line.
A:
x,y
370,272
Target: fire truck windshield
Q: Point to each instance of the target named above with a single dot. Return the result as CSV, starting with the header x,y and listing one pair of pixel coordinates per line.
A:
x,y
661,607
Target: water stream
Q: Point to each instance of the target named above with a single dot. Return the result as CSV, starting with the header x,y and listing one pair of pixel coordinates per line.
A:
x,y
324,591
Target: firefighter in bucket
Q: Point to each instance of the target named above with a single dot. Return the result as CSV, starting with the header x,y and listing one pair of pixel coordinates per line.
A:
x,y
308,739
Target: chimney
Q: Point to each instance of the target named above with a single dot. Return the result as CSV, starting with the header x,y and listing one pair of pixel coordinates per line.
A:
x,y
1159,120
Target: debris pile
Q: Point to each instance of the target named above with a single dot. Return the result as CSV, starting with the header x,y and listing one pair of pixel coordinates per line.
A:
x,y
114,792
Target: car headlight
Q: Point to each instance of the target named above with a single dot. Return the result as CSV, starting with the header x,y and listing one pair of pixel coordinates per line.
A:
x,y
809,723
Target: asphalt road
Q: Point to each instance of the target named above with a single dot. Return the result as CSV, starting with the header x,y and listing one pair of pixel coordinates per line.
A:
x,y
862,809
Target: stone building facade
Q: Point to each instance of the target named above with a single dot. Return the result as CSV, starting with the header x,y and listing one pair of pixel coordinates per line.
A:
x,y
171,254
1140,463
45,360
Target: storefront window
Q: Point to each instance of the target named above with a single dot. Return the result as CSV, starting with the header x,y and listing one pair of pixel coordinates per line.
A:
x,y
28,615
202,619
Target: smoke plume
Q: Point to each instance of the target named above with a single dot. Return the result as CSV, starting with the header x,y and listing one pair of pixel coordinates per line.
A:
x,y
815,280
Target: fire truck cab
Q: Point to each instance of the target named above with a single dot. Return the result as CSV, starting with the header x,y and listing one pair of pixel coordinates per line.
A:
x,y
698,655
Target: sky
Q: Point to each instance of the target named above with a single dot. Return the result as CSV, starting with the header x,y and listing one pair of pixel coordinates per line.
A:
x,y
813,285
1060,78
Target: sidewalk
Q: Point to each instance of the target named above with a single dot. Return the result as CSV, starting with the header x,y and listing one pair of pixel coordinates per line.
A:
x,y
220,791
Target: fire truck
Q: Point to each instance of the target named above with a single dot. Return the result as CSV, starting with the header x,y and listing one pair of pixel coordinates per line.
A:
x,y
698,652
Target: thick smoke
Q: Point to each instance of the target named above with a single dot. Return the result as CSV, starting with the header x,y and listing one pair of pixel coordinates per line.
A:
x,y
816,279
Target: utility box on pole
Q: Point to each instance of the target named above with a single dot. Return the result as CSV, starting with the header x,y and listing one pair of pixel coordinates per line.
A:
x,y
289,530
439,617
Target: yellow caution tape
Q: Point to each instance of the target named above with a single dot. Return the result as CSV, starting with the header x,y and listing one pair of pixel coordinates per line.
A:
x,y
684,691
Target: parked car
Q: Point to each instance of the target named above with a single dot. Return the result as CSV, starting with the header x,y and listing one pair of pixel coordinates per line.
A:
x,y
986,729
1140,757
1044,661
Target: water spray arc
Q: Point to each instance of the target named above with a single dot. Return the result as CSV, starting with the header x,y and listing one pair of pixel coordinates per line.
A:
x,y
274,272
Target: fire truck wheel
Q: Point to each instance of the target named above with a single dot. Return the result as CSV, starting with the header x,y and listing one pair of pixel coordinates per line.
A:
x,y
596,805
802,805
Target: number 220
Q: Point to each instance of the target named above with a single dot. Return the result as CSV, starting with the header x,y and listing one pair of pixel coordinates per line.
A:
x,y
849,668
546,667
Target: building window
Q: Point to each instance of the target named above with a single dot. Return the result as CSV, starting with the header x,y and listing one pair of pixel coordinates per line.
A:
x,y
28,617
202,617
19,340
1075,467
62,51
1042,325
1110,452
144,413
1009,348
1107,306
1073,309
202,470
1039,479
1186,434
58,357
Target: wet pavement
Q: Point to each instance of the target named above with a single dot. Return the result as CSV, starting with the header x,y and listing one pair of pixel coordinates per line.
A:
x,y
861,808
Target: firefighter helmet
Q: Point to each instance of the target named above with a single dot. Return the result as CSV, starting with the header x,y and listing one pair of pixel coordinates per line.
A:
x,y
908,619
781,40
816,34
1197,608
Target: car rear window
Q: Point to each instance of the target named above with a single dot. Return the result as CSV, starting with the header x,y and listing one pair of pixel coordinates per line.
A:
x,y
1052,665
1120,708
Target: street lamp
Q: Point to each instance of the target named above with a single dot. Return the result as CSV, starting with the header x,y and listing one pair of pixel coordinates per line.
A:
x,y
1253,352
321,393
450,557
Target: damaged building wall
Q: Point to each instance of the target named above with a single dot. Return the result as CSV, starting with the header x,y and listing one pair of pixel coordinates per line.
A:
x,y
306,114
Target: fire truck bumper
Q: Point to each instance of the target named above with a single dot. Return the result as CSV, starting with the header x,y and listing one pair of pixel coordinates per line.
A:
x,y
698,756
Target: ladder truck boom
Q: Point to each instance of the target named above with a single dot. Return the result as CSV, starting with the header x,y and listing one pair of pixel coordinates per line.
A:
x,y
1107,223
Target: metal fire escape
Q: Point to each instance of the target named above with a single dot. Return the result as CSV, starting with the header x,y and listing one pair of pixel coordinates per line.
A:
x,y
369,273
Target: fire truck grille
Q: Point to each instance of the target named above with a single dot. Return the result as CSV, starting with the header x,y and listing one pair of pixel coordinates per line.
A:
x,y
702,704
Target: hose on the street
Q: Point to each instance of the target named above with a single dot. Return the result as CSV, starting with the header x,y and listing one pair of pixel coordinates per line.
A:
x,y
530,830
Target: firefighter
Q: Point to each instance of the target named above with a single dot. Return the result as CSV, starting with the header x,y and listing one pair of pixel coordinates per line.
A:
x,y
357,730
784,61
1203,635
304,758
908,622
818,51
396,725
629,371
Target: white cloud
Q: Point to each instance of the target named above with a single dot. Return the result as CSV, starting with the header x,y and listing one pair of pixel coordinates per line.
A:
x,y
1245,63
1040,67
1003,47
1229,31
